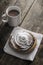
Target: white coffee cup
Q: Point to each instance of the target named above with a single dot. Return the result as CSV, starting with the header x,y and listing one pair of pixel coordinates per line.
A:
x,y
12,20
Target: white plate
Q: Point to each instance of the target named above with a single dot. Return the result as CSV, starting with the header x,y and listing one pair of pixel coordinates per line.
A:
x,y
28,56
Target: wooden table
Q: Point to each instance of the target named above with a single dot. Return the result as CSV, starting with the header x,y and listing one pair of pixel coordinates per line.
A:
x,y
32,19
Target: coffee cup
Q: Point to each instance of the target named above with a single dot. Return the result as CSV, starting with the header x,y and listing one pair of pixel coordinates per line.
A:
x,y
12,16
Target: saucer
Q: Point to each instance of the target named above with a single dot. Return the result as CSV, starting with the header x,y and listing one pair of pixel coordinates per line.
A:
x,y
27,56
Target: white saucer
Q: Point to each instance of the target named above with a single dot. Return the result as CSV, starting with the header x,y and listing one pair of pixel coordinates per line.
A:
x,y
28,56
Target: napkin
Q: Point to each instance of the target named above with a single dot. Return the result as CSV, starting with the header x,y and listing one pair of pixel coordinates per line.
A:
x,y
26,56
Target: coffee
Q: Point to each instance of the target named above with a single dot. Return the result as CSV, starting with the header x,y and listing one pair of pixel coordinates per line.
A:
x,y
13,13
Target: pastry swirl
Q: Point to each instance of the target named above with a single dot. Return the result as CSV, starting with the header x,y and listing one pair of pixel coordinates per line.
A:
x,y
23,42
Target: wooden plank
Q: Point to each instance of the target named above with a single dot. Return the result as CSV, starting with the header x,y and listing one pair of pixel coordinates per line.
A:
x,y
12,2
34,22
34,19
25,6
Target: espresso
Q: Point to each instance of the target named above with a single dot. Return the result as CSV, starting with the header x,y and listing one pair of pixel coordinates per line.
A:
x,y
13,13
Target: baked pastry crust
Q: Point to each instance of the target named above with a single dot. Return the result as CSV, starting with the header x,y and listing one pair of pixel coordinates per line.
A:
x,y
17,48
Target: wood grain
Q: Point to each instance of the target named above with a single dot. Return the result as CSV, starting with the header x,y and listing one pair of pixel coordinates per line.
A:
x,y
32,18
34,22
25,5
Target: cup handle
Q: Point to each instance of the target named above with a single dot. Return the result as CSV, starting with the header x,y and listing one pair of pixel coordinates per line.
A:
x,y
4,18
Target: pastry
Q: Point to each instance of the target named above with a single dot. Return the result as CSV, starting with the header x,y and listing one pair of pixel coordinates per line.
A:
x,y
23,42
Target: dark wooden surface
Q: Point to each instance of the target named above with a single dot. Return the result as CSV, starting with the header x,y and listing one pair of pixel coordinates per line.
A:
x,y
32,19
